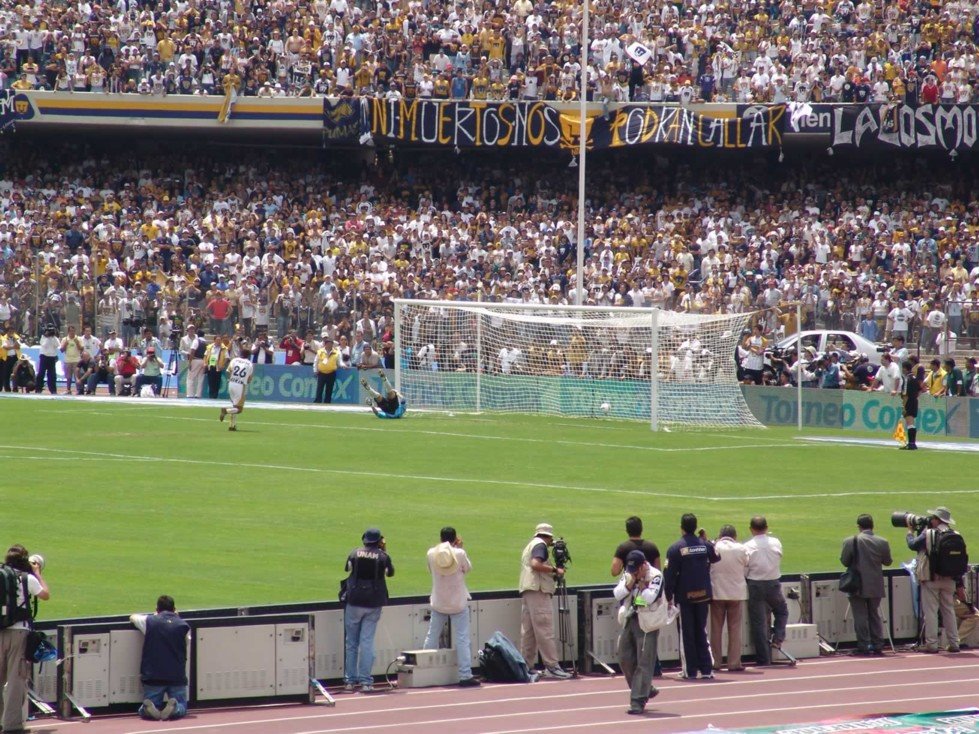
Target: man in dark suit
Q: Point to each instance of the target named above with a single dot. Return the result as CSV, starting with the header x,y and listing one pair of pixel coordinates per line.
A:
x,y
870,553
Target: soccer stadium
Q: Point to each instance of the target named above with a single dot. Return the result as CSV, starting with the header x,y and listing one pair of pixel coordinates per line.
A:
x,y
289,290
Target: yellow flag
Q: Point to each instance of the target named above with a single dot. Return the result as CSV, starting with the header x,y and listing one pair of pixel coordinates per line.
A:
x,y
899,433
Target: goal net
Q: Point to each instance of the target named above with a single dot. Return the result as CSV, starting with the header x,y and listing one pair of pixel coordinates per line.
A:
x,y
667,368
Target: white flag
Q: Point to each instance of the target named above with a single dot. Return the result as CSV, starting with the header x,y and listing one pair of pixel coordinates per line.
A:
x,y
639,53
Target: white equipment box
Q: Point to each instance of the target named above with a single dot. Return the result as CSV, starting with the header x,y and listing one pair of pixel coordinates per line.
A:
x,y
425,668
801,641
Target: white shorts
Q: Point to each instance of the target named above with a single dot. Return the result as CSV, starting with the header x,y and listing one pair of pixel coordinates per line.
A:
x,y
236,391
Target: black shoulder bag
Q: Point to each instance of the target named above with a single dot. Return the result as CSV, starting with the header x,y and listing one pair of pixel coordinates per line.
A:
x,y
850,579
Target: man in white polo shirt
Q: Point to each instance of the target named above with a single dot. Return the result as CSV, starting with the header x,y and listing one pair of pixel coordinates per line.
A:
x,y
763,573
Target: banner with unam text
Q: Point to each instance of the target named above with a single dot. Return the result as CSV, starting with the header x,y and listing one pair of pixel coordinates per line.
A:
x,y
965,721
477,124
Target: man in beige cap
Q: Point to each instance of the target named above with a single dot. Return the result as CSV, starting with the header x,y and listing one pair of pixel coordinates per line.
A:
x,y
538,582
940,575
449,564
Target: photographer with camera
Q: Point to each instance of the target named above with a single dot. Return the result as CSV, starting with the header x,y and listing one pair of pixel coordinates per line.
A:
x,y
366,594
126,367
192,348
941,563
101,372
21,580
151,372
640,587
262,349
9,354
72,347
47,363
292,345
538,582
149,342
83,372
869,553
448,563
688,585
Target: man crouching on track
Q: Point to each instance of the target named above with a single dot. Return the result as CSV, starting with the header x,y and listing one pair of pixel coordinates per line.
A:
x,y
386,404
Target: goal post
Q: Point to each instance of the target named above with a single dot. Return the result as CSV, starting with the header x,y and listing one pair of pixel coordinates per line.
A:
x,y
669,369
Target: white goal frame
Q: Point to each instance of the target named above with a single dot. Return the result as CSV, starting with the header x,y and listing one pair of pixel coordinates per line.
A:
x,y
718,393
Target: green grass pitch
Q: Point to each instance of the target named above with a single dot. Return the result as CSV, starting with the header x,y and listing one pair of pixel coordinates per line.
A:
x,y
130,501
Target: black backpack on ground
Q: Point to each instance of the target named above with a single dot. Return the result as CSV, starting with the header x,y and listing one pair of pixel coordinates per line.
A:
x,y
502,662
949,555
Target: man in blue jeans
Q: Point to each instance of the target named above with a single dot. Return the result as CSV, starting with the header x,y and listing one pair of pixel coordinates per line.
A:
x,y
449,564
163,669
367,593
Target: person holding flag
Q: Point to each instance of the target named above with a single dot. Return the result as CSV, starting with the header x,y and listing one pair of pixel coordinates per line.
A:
x,y
910,389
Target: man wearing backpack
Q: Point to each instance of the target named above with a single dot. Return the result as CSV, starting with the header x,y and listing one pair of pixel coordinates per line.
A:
x,y
19,581
941,562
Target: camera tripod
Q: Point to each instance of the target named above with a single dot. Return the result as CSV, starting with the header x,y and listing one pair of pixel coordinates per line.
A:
x,y
172,370
564,631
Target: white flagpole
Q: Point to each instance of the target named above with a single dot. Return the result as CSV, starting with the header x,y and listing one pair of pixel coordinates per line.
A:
x,y
582,139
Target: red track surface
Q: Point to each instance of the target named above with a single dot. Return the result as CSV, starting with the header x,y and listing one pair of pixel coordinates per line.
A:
x,y
815,690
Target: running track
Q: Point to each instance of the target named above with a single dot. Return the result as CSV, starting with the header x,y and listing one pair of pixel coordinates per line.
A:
x,y
828,688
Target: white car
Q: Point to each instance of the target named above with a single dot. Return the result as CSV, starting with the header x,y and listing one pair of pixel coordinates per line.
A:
x,y
829,340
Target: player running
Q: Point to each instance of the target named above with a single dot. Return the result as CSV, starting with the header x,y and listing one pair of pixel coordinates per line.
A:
x,y
239,376
390,403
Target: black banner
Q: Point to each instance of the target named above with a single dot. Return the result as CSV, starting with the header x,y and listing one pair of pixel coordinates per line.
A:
x,y
344,119
14,106
474,124
949,127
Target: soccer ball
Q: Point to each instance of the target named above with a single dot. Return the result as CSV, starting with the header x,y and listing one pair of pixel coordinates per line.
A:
x,y
606,408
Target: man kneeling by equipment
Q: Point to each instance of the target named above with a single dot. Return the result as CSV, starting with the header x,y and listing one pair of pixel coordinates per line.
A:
x,y
387,404
163,669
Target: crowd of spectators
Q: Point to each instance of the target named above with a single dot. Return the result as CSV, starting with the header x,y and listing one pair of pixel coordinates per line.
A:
x,y
726,50
278,248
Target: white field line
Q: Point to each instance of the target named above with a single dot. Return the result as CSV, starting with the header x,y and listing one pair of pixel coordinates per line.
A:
x,y
45,453
716,715
932,445
547,699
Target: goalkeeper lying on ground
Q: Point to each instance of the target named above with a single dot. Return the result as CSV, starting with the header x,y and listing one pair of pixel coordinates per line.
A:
x,y
390,403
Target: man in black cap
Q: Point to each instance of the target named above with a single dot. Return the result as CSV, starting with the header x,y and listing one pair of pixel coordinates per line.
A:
x,y
640,586
366,594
